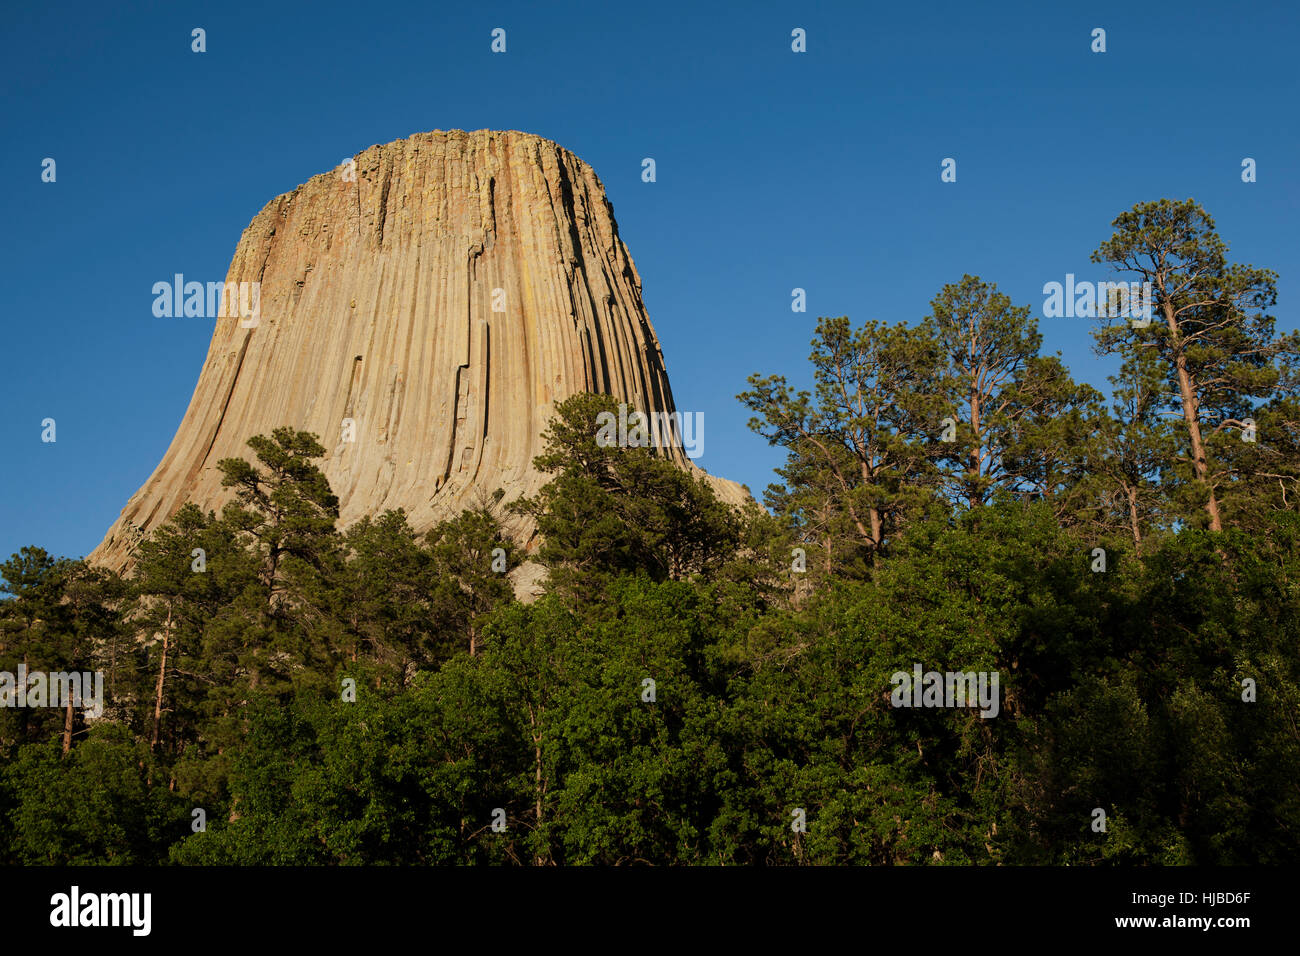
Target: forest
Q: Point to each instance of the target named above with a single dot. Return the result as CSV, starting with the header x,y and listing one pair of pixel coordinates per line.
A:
x,y
700,684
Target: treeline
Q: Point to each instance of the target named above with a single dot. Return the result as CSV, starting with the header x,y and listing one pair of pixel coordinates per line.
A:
x,y
700,684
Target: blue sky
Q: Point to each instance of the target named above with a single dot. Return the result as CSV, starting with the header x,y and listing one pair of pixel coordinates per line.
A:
x,y
775,170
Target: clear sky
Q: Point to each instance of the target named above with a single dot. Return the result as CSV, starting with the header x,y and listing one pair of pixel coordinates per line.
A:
x,y
775,170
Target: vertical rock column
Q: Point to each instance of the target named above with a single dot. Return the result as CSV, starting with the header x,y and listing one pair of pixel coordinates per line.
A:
x,y
443,300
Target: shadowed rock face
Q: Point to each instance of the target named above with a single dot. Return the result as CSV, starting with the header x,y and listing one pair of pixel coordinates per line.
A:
x,y
379,299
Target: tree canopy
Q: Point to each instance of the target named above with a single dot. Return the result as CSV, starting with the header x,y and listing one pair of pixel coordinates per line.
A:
x,y
703,684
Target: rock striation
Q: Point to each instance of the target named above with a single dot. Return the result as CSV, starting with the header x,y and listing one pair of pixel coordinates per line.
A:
x,y
438,299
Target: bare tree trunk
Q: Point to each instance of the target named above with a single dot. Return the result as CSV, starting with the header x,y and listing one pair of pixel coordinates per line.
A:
x,y
973,497
867,470
537,756
873,514
1188,395
537,778
1133,519
158,689
67,726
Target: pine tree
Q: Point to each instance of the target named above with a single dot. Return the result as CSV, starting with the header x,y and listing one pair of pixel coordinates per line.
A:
x,y
190,572
1132,452
1019,418
285,511
859,458
611,509
472,556
1210,329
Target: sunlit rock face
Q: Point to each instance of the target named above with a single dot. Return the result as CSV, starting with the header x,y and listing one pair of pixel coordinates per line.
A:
x,y
420,310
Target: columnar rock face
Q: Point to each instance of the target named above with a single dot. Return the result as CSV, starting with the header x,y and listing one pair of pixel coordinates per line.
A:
x,y
440,300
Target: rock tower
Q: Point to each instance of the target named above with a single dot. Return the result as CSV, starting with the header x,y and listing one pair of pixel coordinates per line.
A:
x,y
421,313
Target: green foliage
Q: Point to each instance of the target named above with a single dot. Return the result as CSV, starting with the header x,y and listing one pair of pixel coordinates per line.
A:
x,y
614,510
1215,346
94,806
1021,421
861,457
703,684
